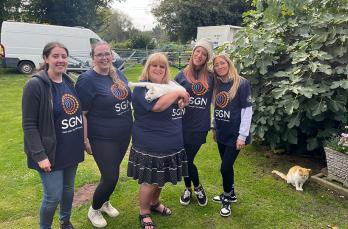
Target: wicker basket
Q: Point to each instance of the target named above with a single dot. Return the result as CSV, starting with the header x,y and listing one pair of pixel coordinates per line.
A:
x,y
337,166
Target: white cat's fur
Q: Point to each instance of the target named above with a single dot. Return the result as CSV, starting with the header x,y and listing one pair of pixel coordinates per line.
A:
x,y
296,176
156,90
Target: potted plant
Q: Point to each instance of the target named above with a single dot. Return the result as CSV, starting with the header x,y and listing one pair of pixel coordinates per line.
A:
x,y
336,151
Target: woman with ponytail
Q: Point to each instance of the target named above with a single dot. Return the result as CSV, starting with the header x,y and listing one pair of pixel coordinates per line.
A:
x,y
107,117
231,125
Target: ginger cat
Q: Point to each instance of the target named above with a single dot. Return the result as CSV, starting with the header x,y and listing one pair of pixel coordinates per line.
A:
x,y
296,176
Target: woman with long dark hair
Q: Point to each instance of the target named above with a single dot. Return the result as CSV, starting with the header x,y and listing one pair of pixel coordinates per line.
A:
x,y
53,133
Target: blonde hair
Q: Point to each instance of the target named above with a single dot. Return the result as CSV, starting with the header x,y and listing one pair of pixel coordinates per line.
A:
x,y
203,71
232,75
156,58
112,71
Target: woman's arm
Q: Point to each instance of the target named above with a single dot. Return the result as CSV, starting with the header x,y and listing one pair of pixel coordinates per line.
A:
x,y
85,133
244,127
168,99
30,112
30,123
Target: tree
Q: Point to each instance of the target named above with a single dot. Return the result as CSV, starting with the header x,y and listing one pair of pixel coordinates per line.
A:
x,y
142,40
182,17
116,26
10,9
295,54
65,12
160,34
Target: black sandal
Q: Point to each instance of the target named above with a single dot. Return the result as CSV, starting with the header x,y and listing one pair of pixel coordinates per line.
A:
x,y
146,224
165,212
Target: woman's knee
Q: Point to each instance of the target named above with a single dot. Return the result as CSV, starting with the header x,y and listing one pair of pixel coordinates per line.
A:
x,y
226,170
53,197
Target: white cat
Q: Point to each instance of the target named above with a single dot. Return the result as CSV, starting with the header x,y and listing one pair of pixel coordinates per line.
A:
x,y
296,176
156,90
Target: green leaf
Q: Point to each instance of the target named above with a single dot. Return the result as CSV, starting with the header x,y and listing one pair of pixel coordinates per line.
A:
x,y
312,143
294,121
342,83
279,92
290,135
325,69
313,66
291,106
299,57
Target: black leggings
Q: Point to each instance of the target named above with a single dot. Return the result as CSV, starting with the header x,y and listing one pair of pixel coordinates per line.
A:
x,y
108,155
191,152
228,155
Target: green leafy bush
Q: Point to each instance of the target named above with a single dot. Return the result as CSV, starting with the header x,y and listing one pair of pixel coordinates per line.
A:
x,y
295,53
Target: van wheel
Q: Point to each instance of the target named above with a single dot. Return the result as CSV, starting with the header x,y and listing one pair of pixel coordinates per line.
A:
x,y
26,67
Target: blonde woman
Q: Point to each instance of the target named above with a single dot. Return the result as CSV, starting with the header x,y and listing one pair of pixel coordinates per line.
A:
x,y
232,120
157,155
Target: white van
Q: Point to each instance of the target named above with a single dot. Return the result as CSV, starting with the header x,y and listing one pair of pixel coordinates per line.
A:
x,y
22,45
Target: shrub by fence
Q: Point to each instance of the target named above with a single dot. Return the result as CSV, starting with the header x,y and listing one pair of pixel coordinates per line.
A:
x,y
296,55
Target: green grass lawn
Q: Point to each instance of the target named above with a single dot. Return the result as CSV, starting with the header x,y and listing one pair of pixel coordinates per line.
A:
x,y
263,201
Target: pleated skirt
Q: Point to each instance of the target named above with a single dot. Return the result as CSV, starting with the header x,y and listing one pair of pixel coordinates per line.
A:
x,y
157,168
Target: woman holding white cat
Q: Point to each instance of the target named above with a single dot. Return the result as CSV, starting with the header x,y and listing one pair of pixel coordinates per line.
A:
x,y
198,82
157,155
232,120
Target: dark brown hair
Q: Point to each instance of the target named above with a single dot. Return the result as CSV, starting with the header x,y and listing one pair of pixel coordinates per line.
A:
x,y
47,51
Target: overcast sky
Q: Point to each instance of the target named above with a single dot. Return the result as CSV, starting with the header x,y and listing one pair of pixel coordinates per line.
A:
x,y
139,11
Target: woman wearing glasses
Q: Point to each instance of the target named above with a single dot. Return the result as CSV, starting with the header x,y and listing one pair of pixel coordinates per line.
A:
x,y
107,116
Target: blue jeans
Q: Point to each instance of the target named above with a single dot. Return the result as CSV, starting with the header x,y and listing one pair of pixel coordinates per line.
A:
x,y
58,188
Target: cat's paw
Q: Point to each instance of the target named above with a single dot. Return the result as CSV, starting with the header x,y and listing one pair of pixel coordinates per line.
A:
x,y
299,189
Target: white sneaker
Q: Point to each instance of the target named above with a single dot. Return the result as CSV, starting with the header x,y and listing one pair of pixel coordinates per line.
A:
x,y
109,209
225,208
96,218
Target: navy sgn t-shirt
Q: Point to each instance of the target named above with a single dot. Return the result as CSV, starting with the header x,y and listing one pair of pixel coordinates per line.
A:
x,y
227,113
197,113
68,127
156,132
109,114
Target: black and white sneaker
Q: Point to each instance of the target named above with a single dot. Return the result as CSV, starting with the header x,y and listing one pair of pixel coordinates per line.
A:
x,y
186,196
232,198
201,196
225,207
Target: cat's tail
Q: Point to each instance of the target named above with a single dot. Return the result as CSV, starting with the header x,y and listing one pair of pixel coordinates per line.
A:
x,y
282,175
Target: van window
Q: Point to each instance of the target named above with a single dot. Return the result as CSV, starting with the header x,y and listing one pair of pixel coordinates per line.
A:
x,y
92,41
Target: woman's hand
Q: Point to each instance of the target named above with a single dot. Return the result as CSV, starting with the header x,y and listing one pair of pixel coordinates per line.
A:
x,y
45,165
240,144
184,99
88,147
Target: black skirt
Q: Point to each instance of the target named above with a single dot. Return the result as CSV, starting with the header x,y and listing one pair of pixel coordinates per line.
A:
x,y
157,168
